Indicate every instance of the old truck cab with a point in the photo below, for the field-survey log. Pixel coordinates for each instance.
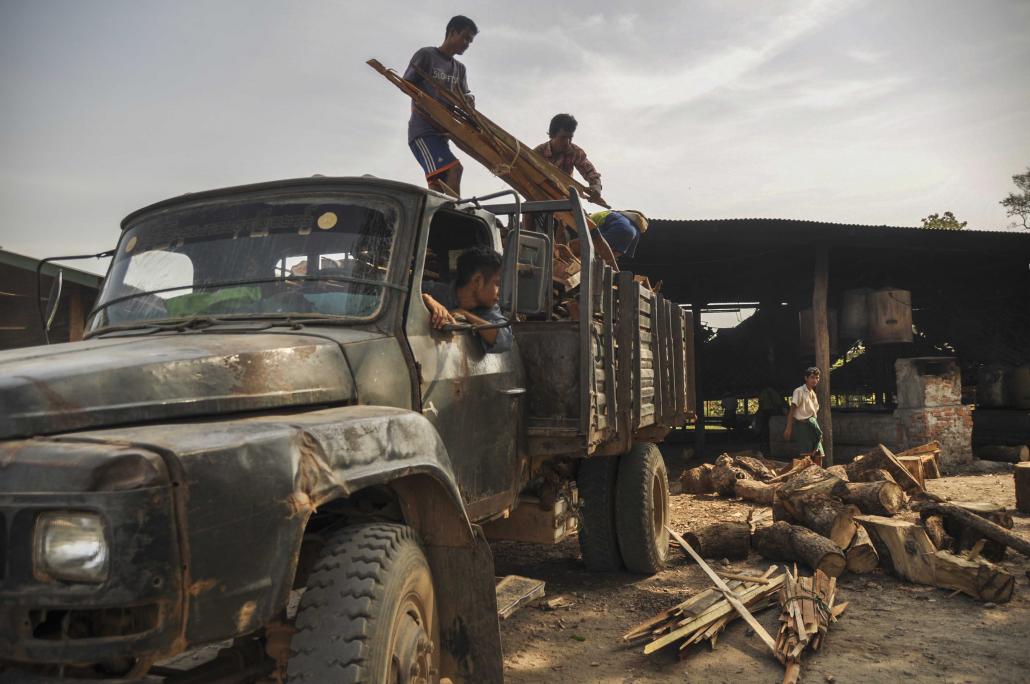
(261, 403)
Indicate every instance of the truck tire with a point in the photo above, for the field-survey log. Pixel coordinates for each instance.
(369, 611)
(597, 537)
(642, 509)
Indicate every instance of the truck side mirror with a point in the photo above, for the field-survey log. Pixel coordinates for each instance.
(534, 266)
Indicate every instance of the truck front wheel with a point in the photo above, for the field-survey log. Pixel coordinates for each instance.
(369, 611)
(642, 509)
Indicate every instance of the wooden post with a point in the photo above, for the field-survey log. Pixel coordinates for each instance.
(822, 347)
(699, 395)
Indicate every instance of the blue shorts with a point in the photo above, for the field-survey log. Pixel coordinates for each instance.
(433, 153)
(620, 234)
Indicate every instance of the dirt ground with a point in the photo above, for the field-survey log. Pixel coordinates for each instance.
(891, 631)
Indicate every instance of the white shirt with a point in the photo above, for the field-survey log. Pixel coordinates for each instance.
(806, 402)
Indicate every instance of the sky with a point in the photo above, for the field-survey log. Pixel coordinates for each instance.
(874, 112)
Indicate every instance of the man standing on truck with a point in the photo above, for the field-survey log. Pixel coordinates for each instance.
(473, 296)
(433, 68)
(560, 151)
(621, 229)
(803, 415)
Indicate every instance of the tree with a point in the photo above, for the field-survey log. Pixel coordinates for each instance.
(1018, 205)
(945, 222)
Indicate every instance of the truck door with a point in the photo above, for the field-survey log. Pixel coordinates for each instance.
(473, 397)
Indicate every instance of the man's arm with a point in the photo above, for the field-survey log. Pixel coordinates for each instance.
(789, 430)
(418, 65)
(587, 170)
(464, 85)
(439, 316)
(496, 340)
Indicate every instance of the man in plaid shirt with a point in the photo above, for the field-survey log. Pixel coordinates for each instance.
(560, 151)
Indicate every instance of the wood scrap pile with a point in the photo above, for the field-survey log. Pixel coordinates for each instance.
(704, 616)
(807, 609)
(846, 518)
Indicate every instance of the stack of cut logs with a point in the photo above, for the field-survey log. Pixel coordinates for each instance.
(846, 518)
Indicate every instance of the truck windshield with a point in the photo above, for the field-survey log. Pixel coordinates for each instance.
(257, 259)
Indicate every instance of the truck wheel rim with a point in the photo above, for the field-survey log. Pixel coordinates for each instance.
(411, 658)
(660, 508)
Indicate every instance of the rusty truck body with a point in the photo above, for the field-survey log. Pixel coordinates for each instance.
(261, 406)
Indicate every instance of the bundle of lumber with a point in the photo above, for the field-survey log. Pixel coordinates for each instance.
(503, 154)
(807, 609)
(704, 616)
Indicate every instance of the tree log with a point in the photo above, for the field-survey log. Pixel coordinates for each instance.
(725, 475)
(973, 521)
(721, 540)
(963, 537)
(753, 490)
(783, 541)
(882, 458)
(1021, 473)
(698, 480)
(905, 548)
(934, 526)
(812, 480)
(861, 555)
(1004, 454)
(827, 516)
(753, 467)
(779, 512)
(877, 498)
(875, 475)
(838, 471)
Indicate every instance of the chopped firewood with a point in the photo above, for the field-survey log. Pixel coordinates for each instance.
(882, 458)
(698, 480)
(704, 616)
(514, 592)
(974, 521)
(753, 490)
(733, 600)
(914, 465)
(876, 498)
(905, 548)
(861, 556)
(721, 540)
(783, 541)
(807, 609)
(931, 454)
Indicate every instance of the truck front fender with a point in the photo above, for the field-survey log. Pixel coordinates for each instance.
(247, 488)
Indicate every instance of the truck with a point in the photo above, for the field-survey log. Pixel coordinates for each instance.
(263, 449)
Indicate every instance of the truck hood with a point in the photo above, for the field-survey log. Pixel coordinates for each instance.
(115, 381)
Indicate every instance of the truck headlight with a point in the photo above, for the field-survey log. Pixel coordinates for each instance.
(71, 546)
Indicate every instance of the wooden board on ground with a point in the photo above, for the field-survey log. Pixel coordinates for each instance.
(514, 592)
